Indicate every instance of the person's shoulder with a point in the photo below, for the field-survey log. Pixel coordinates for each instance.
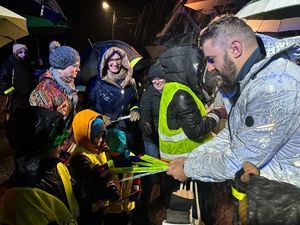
(95, 80)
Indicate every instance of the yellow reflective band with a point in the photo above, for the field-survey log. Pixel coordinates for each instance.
(135, 61)
(134, 107)
(153, 160)
(142, 164)
(238, 195)
(110, 163)
(136, 169)
(9, 90)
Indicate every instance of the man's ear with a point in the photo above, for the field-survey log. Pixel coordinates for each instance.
(236, 48)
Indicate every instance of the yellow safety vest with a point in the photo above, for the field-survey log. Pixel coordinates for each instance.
(30, 206)
(174, 143)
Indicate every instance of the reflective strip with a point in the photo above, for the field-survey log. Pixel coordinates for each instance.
(170, 157)
(135, 61)
(178, 137)
(238, 195)
(110, 163)
(134, 107)
(9, 90)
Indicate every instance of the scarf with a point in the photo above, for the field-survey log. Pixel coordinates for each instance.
(68, 88)
(113, 78)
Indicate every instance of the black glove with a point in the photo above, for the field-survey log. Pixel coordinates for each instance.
(111, 192)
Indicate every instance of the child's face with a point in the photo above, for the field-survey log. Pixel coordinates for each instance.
(98, 139)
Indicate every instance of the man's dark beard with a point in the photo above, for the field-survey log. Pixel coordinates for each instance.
(229, 72)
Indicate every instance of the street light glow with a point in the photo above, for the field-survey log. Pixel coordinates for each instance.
(105, 5)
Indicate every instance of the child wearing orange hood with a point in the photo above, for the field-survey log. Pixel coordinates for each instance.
(89, 169)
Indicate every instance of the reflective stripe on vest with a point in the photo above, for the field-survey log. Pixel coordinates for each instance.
(174, 143)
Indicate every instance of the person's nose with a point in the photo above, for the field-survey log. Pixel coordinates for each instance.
(210, 67)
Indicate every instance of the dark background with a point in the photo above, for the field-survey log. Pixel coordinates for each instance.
(138, 22)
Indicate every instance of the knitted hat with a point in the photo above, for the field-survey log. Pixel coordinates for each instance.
(53, 45)
(34, 130)
(97, 128)
(63, 56)
(17, 47)
(117, 142)
(156, 70)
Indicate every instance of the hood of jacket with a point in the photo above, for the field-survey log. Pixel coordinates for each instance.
(105, 54)
(82, 128)
(288, 48)
(184, 64)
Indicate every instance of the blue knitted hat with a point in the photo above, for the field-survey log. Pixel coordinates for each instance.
(63, 56)
(97, 127)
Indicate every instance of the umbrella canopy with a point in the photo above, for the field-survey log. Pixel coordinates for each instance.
(12, 26)
(37, 24)
(274, 26)
(267, 7)
(272, 15)
(52, 6)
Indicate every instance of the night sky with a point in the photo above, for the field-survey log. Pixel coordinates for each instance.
(138, 21)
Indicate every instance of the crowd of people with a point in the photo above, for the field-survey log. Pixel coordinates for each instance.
(66, 154)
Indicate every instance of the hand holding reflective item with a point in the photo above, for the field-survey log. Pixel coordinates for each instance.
(134, 116)
(176, 169)
(106, 120)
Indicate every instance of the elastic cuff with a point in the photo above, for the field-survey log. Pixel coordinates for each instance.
(214, 116)
(134, 108)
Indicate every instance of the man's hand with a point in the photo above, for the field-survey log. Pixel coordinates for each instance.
(134, 116)
(249, 169)
(176, 169)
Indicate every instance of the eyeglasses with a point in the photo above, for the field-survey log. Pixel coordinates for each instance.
(117, 60)
(210, 59)
(22, 52)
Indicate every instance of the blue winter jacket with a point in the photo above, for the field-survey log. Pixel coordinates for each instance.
(110, 100)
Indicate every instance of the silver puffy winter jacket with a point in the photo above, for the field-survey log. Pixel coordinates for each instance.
(264, 124)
